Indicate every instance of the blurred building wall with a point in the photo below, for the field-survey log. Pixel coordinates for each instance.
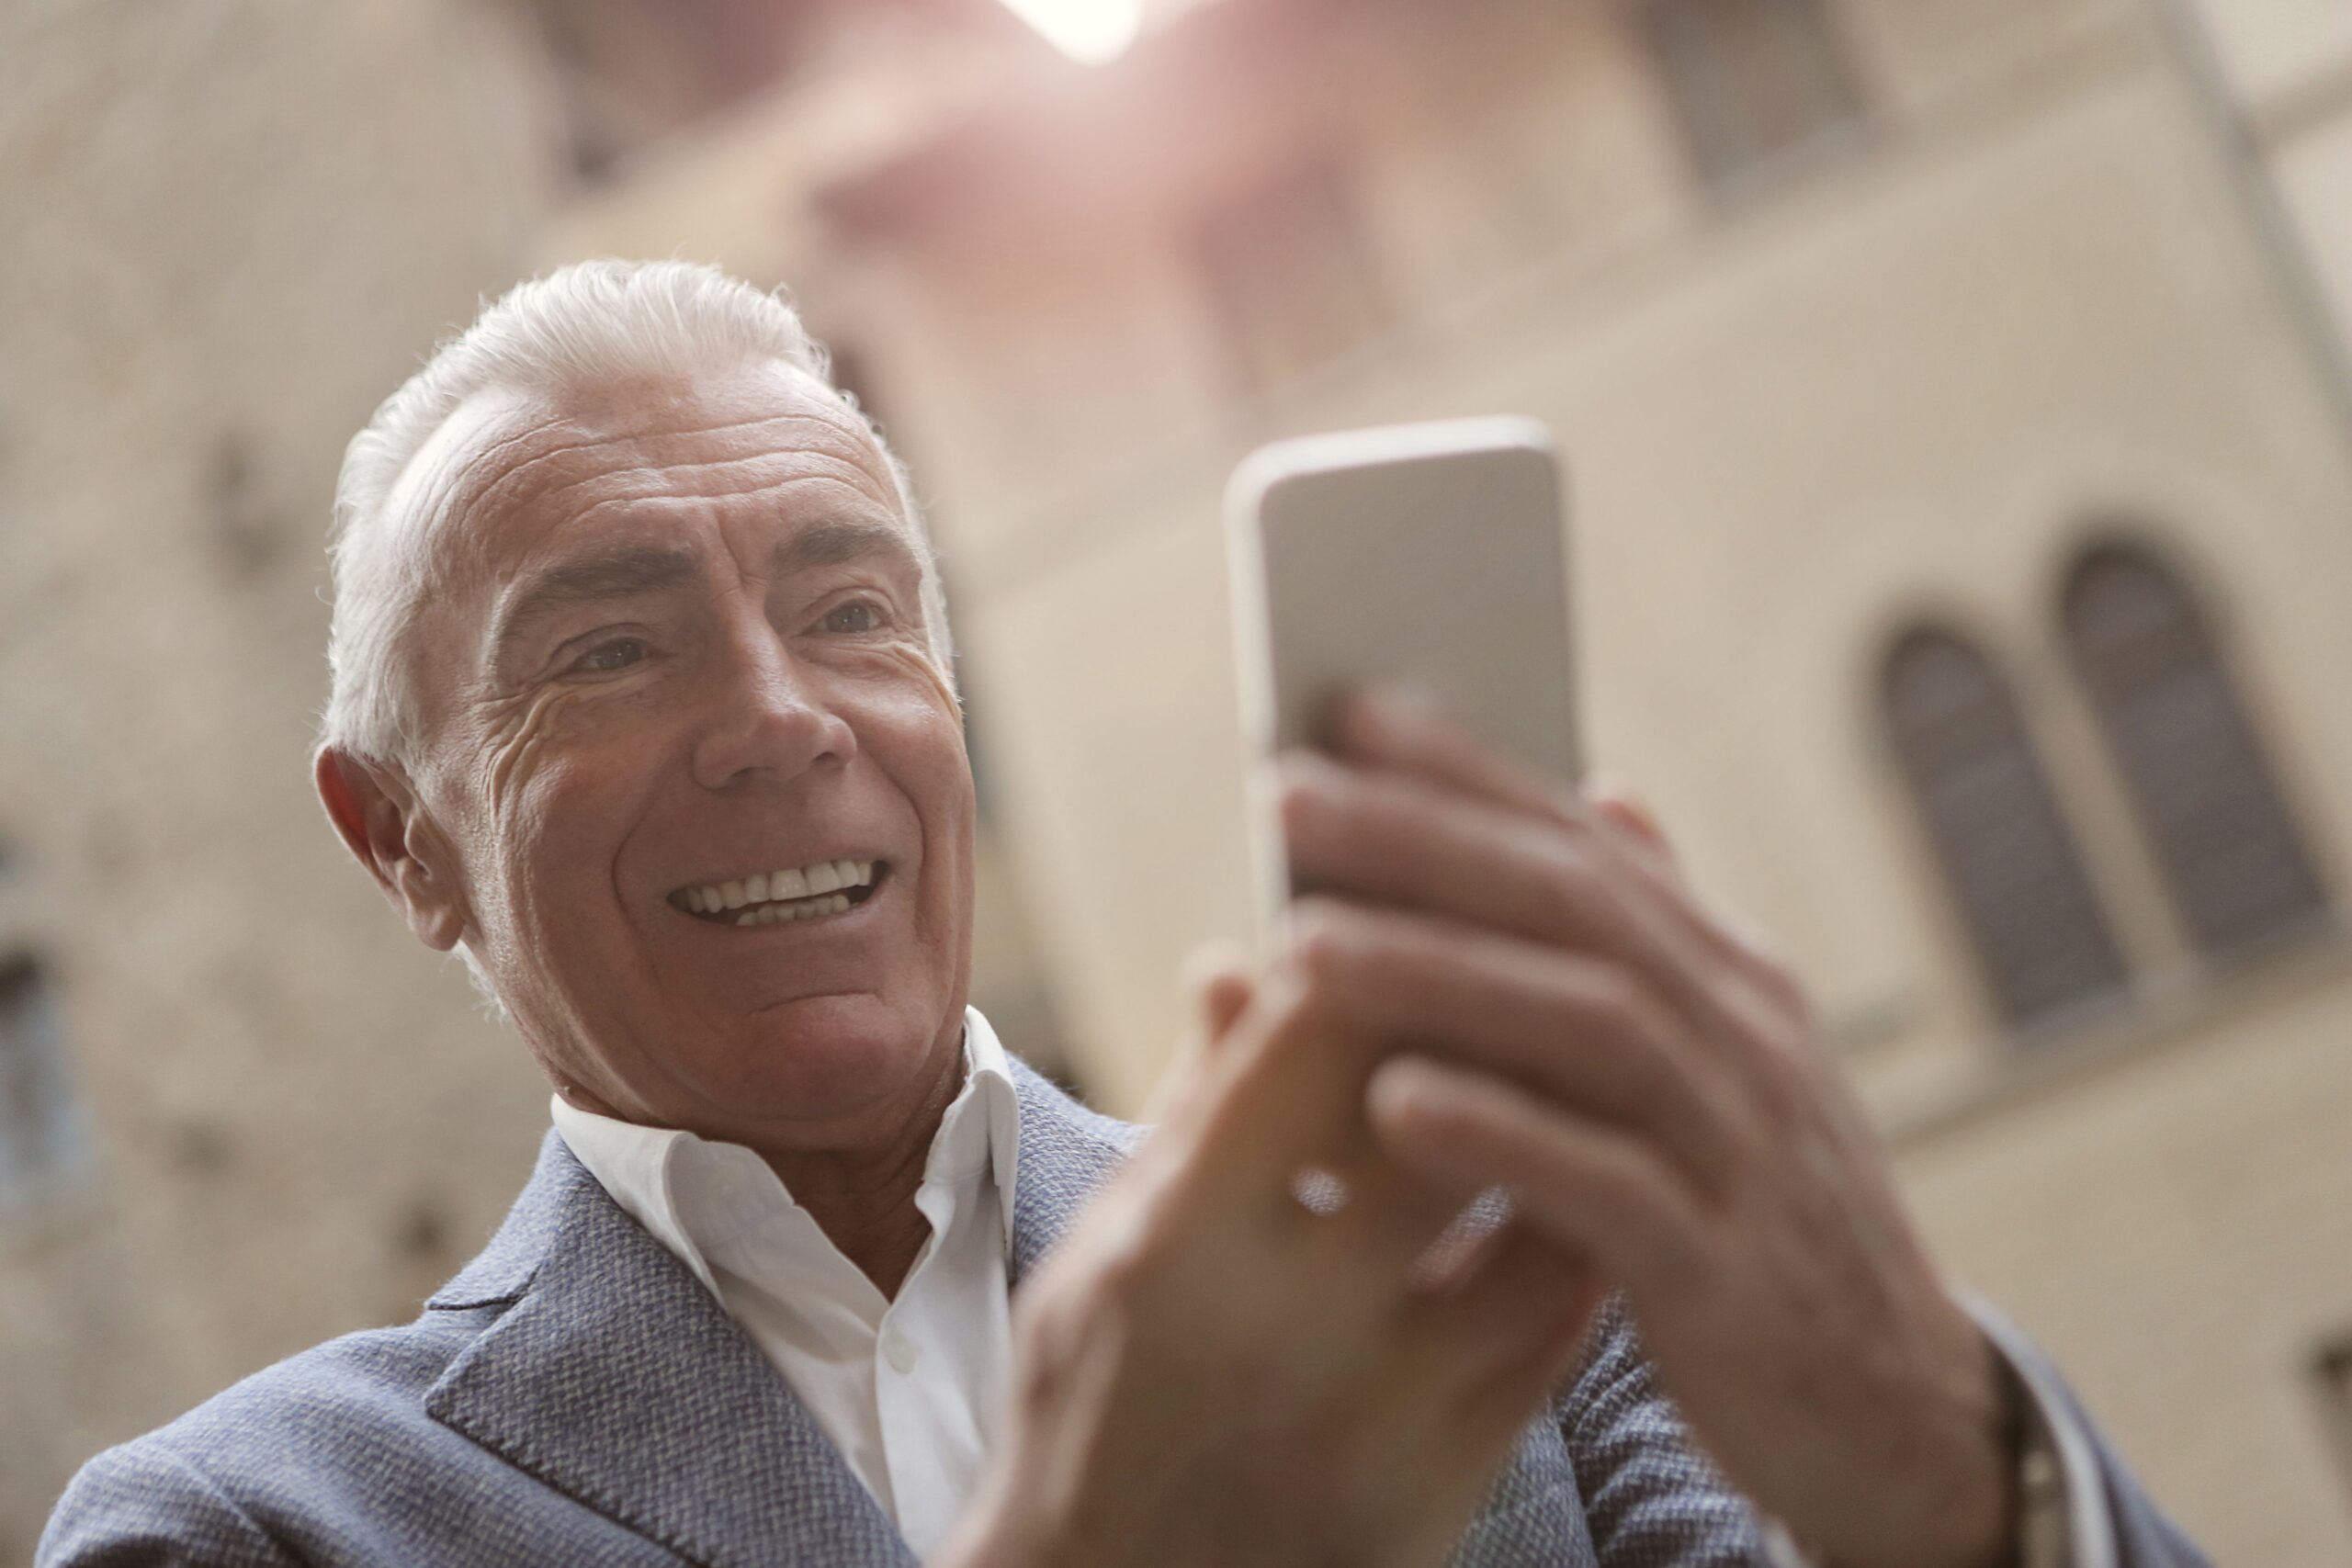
(1966, 299)
(240, 1109)
(2281, 73)
(1873, 319)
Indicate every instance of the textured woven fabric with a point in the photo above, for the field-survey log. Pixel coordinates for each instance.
(574, 1396)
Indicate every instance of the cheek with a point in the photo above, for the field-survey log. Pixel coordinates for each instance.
(558, 796)
(935, 721)
(920, 740)
(517, 735)
(924, 724)
(904, 673)
(925, 671)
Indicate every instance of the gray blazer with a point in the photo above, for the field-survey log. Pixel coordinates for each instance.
(576, 1396)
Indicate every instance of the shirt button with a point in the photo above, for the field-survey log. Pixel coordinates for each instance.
(901, 1352)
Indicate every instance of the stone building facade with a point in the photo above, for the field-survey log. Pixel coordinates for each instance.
(1962, 473)
(1961, 465)
(239, 1113)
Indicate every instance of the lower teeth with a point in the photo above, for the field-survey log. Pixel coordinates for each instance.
(797, 910)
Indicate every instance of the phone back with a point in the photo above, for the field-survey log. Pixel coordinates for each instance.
(1432, 556)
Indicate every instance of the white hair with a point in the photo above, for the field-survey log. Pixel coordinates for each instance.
(582, 326)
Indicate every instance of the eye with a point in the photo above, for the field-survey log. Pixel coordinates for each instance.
(605, 657)
(856, 616)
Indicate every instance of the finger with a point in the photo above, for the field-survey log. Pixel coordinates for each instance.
(1510, 1299)
(1398, 839)
(1387, 1219)
(1498, 1344)
(1583, 1186)
(1394, 839)
(1392, 730)
(1535, 1305)
(1386, 727)
(1297, 1099)
(1508, 1399)
(1468, 1243)
(1586, 1032)
(1216, 977)
(1631, 817)
(1282, 1093)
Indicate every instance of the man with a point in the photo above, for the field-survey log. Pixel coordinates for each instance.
(642, 699)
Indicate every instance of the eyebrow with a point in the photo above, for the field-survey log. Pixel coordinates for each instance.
(834, 542)
(621, 574)
(652, 569)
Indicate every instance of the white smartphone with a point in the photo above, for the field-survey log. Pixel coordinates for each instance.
(1432, 556)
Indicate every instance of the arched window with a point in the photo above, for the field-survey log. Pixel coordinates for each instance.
(2009, 858)
(2190, 763)
(1755, 83)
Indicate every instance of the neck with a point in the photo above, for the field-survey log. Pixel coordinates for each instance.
(864, 1202)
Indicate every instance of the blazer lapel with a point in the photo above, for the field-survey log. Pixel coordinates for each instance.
(1067, 1153)
(615, 1378)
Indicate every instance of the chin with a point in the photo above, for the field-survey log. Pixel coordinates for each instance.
(832, 1056)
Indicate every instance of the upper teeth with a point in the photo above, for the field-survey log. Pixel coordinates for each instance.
(806, 882)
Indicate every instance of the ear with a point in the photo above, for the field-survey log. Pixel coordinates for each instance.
(378, 814)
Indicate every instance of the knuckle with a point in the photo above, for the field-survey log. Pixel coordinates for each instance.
(1785, 1076)
(1566, 876)
(1620, 1001)
(1769, 965)
(1390, 811)
(1580, 817)
(1312, 805)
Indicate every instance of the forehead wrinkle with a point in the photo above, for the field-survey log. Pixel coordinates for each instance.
(453, 505)
(836, 465)
(625, 502)
(490, 491)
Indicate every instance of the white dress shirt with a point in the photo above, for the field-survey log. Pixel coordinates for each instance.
(907, 1389)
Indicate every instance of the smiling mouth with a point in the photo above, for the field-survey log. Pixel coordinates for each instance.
(776, 897)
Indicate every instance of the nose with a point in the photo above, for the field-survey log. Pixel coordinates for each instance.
(770, 718)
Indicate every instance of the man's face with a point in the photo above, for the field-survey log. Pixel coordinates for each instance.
(677, 648)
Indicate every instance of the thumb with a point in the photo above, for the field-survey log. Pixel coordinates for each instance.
(1215, 978)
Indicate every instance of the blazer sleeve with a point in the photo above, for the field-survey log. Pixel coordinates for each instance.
(1651, 1499)
(142, 1506)
(2111, 1522)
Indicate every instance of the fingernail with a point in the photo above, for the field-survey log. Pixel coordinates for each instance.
(1305, 773)
(1359, 719)
(1212, 962)
(1597, 783)
(1404, 702)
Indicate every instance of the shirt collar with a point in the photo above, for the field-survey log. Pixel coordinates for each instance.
(696, 1193)
(987, 1086)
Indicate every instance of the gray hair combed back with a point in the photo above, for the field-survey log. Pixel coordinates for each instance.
(580, 326)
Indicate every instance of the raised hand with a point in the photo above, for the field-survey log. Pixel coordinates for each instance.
(1212, 1372)
(1645, 1080)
